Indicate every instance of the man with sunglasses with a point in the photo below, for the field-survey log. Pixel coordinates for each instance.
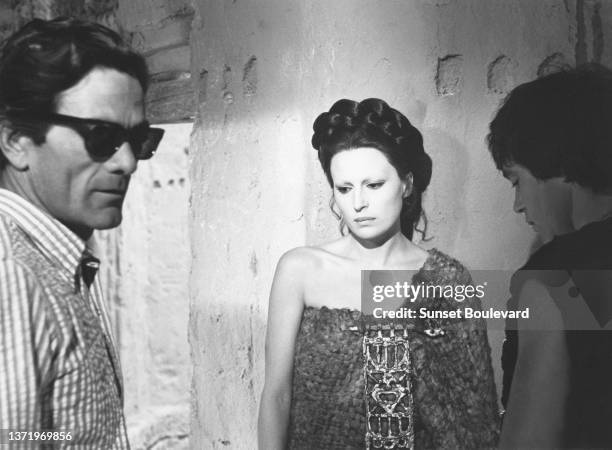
(72, 129)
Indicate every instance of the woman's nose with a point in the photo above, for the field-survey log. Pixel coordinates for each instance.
(359, 200)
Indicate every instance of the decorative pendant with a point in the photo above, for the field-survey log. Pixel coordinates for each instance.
(388, 388)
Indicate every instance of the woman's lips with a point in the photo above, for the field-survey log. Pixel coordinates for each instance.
(363, 219)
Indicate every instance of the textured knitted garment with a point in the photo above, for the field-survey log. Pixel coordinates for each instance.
(452, 378)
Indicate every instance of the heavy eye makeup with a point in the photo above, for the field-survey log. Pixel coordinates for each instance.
(345, 188)
(375, 184)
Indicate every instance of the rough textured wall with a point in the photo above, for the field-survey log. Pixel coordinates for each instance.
(265, 70)
(160, 30)
(152, 247)
(248, 169)
(151, 302)
(145, 271)
(15, 13)
(147, 278)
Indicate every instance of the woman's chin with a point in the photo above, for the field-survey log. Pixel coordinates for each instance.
(372, 236)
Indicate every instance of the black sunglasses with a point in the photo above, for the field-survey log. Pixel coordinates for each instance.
(102, 138)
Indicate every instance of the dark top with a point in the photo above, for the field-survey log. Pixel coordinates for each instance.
(453, 386)
(584, 258)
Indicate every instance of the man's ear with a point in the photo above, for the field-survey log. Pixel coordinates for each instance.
(408, 185)
(15, 147)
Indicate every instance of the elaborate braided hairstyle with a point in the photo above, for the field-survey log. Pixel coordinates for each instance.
(373, 123)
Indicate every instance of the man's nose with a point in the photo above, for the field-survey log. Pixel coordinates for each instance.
(518, 202)
(123, 160)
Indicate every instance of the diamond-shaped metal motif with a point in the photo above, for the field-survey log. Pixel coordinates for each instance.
(389, 401)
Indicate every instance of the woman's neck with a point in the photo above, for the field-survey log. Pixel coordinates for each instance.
(381, 254)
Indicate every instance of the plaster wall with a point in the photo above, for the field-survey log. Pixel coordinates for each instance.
(149, 255)
(264, 70)
(145, 272)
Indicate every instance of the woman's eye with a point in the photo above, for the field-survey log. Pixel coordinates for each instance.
(342, 189)
(376, 185)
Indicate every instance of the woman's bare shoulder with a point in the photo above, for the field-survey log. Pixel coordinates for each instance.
(306, 258)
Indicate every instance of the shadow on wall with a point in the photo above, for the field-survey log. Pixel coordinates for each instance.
(445, 198)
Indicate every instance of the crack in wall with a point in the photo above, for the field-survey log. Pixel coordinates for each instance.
(580, 52)
(552, 63)
(597, 30)
(249, 78)
(166, 439)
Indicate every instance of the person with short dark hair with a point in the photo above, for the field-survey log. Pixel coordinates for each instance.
(327, 384)
(552, 140)
(72, 129)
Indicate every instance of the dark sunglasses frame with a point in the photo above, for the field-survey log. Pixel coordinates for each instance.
(143, 138)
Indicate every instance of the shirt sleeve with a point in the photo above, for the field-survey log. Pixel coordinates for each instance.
(25, 343)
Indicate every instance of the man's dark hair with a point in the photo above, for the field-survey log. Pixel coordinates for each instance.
(559, 125)
(44, 58)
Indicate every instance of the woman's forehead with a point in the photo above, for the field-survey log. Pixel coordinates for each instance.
(361, 157)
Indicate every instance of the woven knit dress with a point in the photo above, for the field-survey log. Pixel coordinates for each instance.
(448, 388)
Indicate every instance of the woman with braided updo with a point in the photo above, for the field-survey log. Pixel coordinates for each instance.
(326, 386)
